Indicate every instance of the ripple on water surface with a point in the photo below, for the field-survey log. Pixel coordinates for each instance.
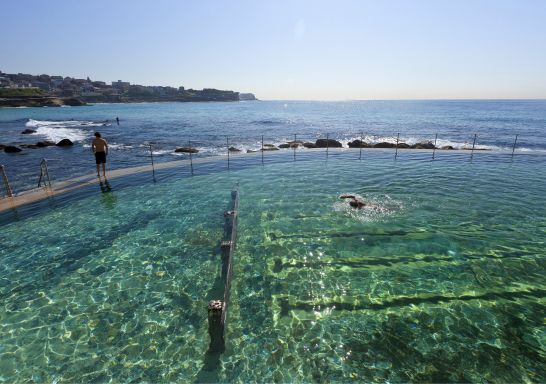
(440, 278)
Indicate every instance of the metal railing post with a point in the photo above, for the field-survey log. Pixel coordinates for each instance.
(9, 191)
(262, 149)
(152, 159)
(327, 145)
(294, 146)
(227, 147)
(434, 149)
(360, 153)
(514, 146)
(473, 145)
(396, 151)
(191, 160)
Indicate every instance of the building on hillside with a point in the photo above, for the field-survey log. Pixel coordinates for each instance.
(121, 86)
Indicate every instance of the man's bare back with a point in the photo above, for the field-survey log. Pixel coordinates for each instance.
(99, 145)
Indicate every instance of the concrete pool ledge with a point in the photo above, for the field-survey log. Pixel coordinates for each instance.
(61, 187)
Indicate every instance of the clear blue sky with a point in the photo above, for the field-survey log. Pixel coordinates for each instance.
(320, 50)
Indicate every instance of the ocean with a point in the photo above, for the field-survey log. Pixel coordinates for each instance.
(211, 127)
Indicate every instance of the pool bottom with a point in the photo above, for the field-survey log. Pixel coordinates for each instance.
(444, 284)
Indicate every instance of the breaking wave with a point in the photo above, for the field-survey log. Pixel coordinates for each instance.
(73, 130)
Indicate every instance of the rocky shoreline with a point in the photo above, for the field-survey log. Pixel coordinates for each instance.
(319, 143)
(40, 101)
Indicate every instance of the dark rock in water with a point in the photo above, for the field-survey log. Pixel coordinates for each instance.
(32, 146)
(403, 145)
(28, 131)
(448, 147)
(2, 146)
(295, 143)
(250, 151)
(233, 149)
(186, 150)
(423, 145)
(309, 145)
(65, 143)
(323, 143)
(269, 147)
(284, 146)
(12, 149)
(358, 144)
(45, 143)
(384, 144)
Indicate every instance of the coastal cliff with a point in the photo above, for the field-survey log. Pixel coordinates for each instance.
(24, 90)
(40, 101)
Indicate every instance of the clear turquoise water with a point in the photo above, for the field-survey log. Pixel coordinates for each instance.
(443, 280)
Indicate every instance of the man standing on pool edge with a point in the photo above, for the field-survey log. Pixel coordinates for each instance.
(99, 146)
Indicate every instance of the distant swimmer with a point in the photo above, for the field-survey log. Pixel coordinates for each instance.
(117, 120)
(99, 146)
(355, 202)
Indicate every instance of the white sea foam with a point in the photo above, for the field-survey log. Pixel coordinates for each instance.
(73, 130)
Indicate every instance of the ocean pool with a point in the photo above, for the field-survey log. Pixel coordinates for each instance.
(442, 280)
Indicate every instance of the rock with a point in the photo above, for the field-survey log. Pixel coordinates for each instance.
(309, 145)
(358, 144)
(284, 146)
(12, 149)
(423, 145)
(403, 145)
(65, 143)
(45, 143)
(28, 131)
(448, 147)
(32, 146)
(295, 143)
(186, 150)
(250, 151)
(233, 149)
(384, 144)
(323, 143)
(269, 147)
(2, 146)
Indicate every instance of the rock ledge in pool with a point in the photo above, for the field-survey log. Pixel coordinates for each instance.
(28, 131)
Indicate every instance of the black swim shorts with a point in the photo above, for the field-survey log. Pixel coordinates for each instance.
(100, 157)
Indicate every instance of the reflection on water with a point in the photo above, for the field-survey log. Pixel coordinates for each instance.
(442, 280)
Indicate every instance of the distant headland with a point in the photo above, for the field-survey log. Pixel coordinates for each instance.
(24, 90)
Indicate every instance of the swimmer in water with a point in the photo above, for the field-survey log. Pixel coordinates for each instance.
(355, 202)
